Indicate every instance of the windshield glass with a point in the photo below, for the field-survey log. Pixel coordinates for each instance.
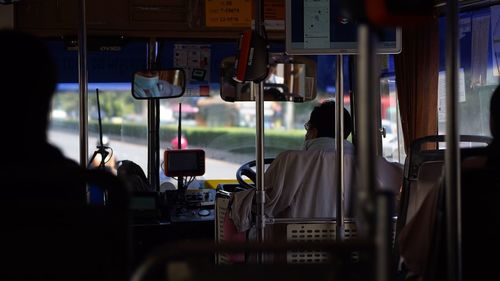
(224, 130)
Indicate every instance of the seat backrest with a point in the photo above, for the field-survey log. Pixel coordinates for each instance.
(423, 170)
(421, 209)
(428, 175)
(480, 188)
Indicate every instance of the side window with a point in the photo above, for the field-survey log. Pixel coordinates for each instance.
(124, 122)
(392, 136)
(478, 71)
(124, 119)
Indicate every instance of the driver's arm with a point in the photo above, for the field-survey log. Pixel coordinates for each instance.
(242, 201)
(277, 177)
(277, 199)
(240, 209)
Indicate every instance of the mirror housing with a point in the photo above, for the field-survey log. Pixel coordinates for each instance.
(159, 84)
(288, 79)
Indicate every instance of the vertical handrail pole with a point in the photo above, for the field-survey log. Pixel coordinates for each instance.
(339, 139)
(260, 161)
(452, 156)
(374, 206)
(153, 124)
(83, 83)
(259, 111)
(366, 148)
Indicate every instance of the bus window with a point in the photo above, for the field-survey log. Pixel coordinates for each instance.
(392, 136)
(124, 121)
(478, 71)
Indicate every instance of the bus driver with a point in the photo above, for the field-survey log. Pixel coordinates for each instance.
(299, 183)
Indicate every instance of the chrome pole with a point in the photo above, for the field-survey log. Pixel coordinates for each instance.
(366, 147)
(259, 111)
(260, 193)
(339, 139)
(83, 83)
(153, 125)
(374, 206)
(452, 153)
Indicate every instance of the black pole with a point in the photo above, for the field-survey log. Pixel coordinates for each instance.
(452, 152)
(179, 128)
(180, 180)
(99, 116)
(101, 149)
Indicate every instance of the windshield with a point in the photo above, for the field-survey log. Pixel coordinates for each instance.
(224, 130)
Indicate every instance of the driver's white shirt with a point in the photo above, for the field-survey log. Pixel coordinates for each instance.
(300, 184)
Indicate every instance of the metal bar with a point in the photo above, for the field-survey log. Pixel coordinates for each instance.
(398, 128)
(452, 156)
(339, 141)
(353, 103)
(374, 210)
(180, 180)
(260, 193)
(392, 220)
(153, 125)
(306, 220)
(83, 83)
(366, 147)
(259, 146)
(384, 229)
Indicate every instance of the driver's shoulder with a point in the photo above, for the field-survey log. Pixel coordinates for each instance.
(307, 152)
(288, 154)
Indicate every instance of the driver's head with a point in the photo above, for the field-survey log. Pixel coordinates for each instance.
(322, 122)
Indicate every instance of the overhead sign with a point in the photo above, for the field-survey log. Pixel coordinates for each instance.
(274, 14)
(240, 13)
(228, 13)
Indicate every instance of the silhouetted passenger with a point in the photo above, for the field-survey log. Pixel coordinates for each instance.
(49, 232)
(28, 79)
(480, 193)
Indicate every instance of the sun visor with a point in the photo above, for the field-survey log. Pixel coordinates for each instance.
(252, 59)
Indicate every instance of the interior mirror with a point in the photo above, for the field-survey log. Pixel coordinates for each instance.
(159, 84)
(288, 79)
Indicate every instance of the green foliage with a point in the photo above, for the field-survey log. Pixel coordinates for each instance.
(66, 101)
(113, 104)
(232, 139)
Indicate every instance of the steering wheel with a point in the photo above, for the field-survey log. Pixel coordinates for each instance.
(246, 170)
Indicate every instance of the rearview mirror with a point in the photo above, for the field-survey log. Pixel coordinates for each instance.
(289, 79)
(159, 84)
